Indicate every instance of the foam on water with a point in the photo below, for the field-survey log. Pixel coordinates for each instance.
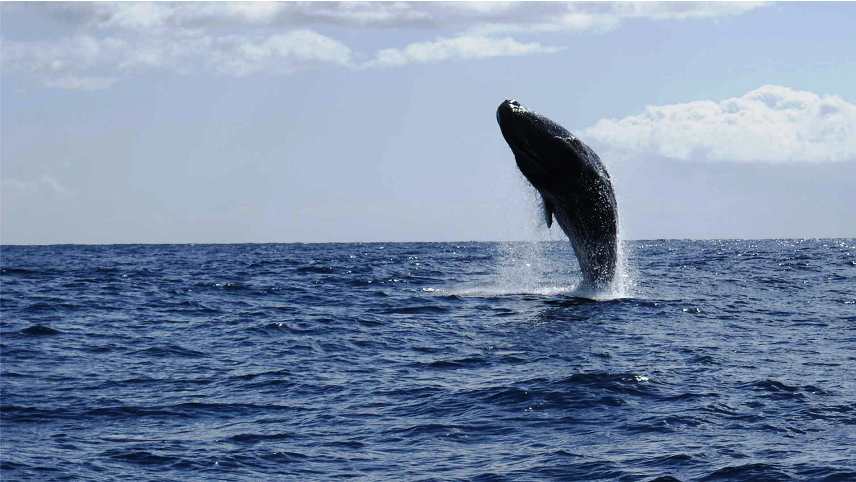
(496, 291)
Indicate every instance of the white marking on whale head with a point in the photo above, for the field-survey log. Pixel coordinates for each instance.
(516, 107)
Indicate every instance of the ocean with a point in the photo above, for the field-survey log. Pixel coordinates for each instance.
(712, 360)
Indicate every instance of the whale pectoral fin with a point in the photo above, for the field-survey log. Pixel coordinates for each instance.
(548, 212)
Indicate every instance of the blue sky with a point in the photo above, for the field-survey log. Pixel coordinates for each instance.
(376, 122)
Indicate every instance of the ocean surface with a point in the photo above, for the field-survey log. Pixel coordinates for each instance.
(713, 360)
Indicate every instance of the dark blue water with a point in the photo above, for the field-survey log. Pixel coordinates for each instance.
(722, 360)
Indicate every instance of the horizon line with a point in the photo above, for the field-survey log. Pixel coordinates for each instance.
(227, 243)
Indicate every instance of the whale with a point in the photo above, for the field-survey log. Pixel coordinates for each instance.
(574, 185)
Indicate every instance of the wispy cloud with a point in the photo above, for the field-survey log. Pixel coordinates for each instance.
(69, 64)
(462, 47)
(43, 185)
(769, 124)
(240, 56)
(680, 10)
(600, 17)
(89, 62)
(537, 15)
(110, 41)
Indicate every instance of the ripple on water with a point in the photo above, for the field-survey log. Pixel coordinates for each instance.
(724, 360)
(39, 330)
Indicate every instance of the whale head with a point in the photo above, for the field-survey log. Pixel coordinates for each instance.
(546, 153)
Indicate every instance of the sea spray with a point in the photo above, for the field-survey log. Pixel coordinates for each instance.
(624, 283)
(549, 267)
(545, 264)
(524, 267)
(527, 267)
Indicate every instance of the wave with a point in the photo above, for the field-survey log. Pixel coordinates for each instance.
(445, 361)
(39, 330)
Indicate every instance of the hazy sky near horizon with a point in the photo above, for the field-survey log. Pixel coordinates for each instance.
(137, 122)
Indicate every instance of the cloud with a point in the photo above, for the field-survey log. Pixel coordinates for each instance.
(463, 47)
(682, 10)
(108, 41)
(601, 17)
(147, 16)
(769, 124)
(539, 16)
(89, 63)
(44, 185)
(241, 56)
(64, 64)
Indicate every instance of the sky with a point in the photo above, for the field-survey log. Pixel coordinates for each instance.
(329, 122)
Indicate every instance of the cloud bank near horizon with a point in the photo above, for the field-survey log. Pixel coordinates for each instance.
(106, 42)
(772, 124)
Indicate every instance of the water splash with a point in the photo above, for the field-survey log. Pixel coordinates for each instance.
(549, 268)
(533, 268)
(624, 284)
(546, 265)
(546, 268)
(527, 268)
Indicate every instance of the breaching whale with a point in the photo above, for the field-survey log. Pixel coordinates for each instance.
(574, 186)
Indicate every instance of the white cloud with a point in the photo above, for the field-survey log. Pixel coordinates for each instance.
(360, 14)
(155, 15)
(463, 47)
(769, 124)
(241, 56)
(67, 64)
(469, 15)
(567, 21)
(131, 15)
(682, 10)
(90, 63)
(112, 40)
